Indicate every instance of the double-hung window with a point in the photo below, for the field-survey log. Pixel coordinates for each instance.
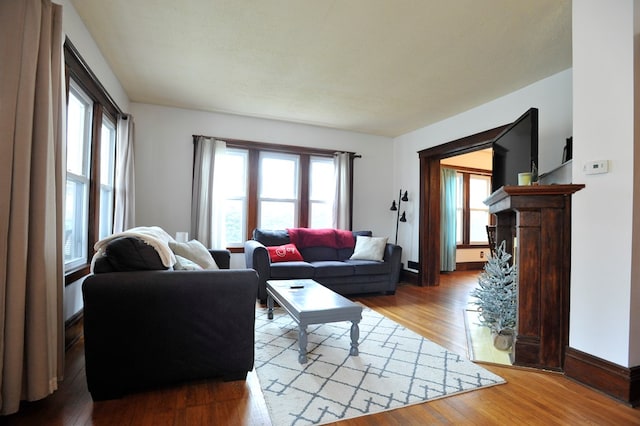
(79, 124)
(472, 214)
(90, 161)
(278, 183)
(322, 188)
(107, 176)
(275, 187)
(235, 172)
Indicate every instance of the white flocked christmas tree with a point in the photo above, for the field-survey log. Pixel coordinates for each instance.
(497, 293)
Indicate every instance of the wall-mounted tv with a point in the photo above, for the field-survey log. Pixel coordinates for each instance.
(515, 149)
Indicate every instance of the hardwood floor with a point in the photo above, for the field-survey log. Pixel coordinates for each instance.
(529, 397)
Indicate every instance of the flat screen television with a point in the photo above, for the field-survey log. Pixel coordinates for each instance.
(515, 150)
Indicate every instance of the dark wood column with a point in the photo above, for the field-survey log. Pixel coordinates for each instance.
(535, 223)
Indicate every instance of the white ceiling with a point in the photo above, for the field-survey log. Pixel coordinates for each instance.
(383, 67)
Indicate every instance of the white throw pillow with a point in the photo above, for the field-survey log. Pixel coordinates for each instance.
(196, 252)
(369, 248)
(184, 264)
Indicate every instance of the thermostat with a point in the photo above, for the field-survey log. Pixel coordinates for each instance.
(596, 167)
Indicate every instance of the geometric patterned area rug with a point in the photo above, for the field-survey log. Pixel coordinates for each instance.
(395, 368)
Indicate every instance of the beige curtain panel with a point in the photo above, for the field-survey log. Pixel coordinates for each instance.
(124, 208)
(31, 188)
(342, 162)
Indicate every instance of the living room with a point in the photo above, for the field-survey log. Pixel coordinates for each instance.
(592, 99)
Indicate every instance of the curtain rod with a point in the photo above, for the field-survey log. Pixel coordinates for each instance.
(275, 147)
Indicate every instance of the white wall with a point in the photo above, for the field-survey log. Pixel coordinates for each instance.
(77, 32)
(602, 230)
(164, 160)
(75, 29)
(552, 96)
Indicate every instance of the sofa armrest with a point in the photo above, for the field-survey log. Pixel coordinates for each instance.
(393, 255)
(222, 258)
(257, 258)
(150, 328)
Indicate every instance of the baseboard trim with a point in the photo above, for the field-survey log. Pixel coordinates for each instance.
(469, 266)
(73, 329)
(619, 382)
(409, 277)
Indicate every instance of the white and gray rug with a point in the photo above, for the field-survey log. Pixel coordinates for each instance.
(396, 367)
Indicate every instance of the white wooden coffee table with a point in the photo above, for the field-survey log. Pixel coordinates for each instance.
(311, 303)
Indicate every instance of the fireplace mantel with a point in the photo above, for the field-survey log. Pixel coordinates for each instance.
(535, 223)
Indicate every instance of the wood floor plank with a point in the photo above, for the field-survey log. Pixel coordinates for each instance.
(530, 397)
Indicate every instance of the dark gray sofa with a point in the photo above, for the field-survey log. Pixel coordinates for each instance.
(329, 266)
(150, 328)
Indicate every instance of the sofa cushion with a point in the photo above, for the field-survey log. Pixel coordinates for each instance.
(131, 254)
(184, 264)
(284, 253)
(289, 270)
(270, 237)
(369, 267)
(333, 269)
(196, 252)
(314, 254)
(369, 248)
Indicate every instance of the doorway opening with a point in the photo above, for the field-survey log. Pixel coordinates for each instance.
(429, 211)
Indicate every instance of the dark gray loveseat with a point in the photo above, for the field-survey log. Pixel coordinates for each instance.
(148, 328)
(329, 266)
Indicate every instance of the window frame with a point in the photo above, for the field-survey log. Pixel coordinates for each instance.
(76, 69)
(80, 177)
(466, 210)
(305, 155)
(295, 200)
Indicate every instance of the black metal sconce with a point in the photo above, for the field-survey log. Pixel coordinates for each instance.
(394, 207)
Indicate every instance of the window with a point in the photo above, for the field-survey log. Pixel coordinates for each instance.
(472, 214)
(235, 172)
(79, 119)
(321, 192)
(275, 187)
(91, 151)
(278, 182)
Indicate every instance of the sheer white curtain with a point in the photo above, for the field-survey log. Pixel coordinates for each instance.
(31, 200)
(207, 199)
(342, 162)
(124, 206)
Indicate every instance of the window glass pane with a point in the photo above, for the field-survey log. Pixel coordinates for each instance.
(478, 226)
(479, 190)
(107, 173)
(75, 225)
(459, 223)
(106, 212)
(78, 130)
(278, 176)
(320, 215)
(234, 220)
(107, 152)
(235, 172)
(277, 215)
(322, 180)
